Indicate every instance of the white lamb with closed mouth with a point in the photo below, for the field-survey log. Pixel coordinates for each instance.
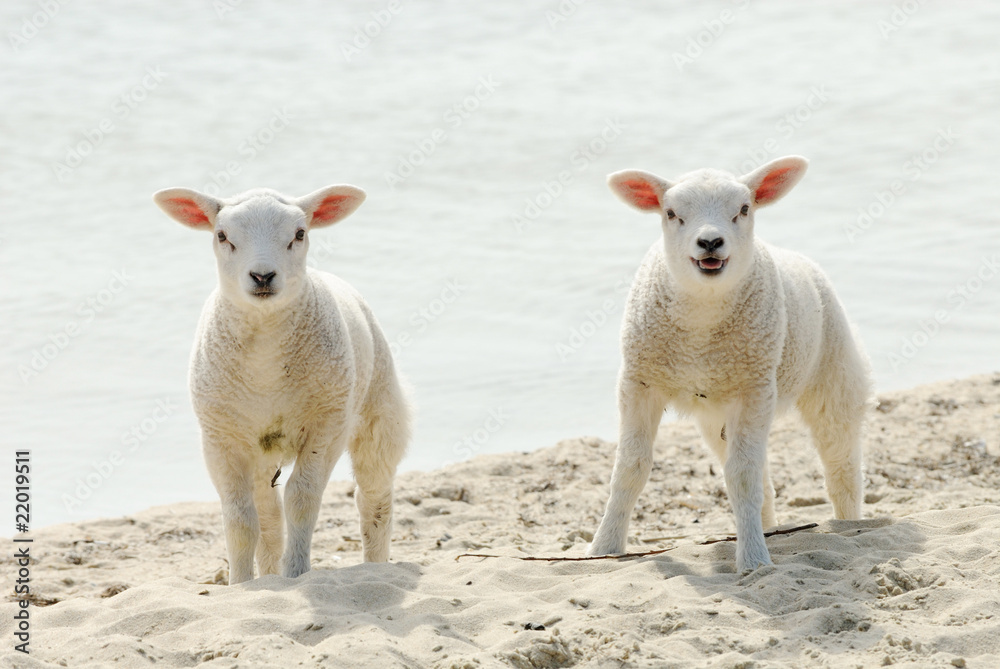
(289, 365)
(727, 329)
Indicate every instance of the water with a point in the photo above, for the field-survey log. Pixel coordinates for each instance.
(500, 105)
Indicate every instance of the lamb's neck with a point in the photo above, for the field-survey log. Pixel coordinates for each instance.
(285, 316)
(706, 307)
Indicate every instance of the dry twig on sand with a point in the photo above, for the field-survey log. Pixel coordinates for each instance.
(624, 556)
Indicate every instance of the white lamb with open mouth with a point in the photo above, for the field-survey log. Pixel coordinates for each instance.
(289, 365)
(727, 329)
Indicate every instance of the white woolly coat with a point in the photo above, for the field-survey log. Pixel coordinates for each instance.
(769, 331)
(267, 382)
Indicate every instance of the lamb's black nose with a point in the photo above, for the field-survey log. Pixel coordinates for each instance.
(711, 244)
(262, 280)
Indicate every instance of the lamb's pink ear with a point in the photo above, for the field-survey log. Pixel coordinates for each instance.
(639, 189)
(769, 183)
(331, 204)
(193, 209)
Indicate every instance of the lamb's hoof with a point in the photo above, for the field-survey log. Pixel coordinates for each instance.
(749, 565)
(294, 571)
(595, 550)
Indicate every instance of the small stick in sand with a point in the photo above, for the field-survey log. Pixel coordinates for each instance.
(567, 559)
(773, 533)
(623, 556)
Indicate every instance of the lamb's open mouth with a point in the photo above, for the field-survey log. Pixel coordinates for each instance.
(710, 264)
(263, 293)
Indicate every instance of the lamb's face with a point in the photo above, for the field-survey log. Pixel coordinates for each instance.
(260, 246)
(708, 230)
(708, 216)
(260, 237)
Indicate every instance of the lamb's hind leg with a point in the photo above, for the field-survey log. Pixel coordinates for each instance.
(835, 408)
(376, 451)
(640, 410)
(712, 431)
(837, 424)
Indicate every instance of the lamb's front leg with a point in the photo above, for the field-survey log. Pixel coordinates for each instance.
(745, 469)
(712, 428)
(269, 514)
(303, 496)
(640, 410)
(233, 479)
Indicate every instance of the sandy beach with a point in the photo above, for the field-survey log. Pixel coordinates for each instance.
(913, 584)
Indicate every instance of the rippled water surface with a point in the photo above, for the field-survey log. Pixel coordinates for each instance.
(489, 246)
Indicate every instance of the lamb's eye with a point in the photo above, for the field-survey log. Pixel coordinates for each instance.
(671, 215)
(745, 210)
(224, 240)
(299, 236)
